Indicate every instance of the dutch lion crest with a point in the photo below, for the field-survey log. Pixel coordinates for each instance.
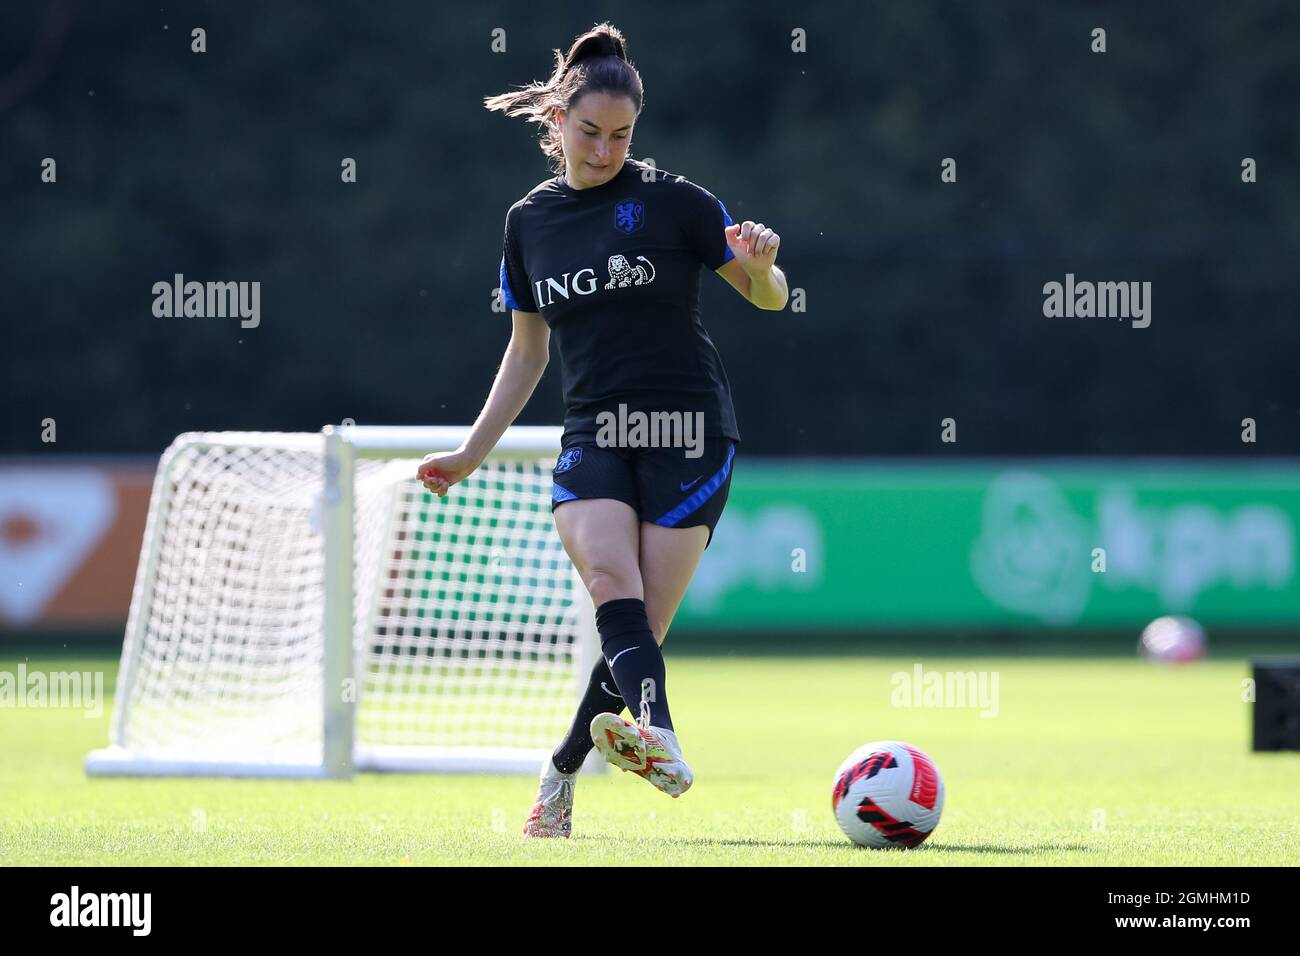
(568, 459)
(629, 215)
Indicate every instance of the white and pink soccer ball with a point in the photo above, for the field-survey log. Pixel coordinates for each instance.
(887, 794)
(1176, 640)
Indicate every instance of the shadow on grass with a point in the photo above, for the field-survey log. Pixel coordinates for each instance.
(846, 847)
(757, 844)
(1013, 850)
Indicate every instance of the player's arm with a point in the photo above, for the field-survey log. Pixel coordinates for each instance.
(773, 288)
(752, 271)
(521, 369)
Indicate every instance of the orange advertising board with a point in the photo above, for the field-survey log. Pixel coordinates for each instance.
(70, 537)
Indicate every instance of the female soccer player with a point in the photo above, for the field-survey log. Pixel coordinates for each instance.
(607, 255)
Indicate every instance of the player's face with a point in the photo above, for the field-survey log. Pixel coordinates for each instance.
(596, 130)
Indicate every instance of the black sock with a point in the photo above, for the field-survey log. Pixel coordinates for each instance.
(574, 748)
(633, 656)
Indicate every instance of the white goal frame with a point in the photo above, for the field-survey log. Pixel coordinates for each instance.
(341, 447)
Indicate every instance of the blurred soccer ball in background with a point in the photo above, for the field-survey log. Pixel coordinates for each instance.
(1172, 640)
(887, 794)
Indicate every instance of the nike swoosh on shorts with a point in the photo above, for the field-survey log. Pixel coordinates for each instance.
(686, 484)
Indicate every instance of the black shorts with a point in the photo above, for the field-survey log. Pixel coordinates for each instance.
(662, 485)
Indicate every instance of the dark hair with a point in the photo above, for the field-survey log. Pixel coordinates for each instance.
(596, 63)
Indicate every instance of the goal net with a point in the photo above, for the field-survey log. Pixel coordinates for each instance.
(303, 607)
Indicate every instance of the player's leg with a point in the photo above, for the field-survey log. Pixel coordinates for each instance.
(602, 538)
(678, 517)
(601, 535)
(681, 501)
(669, 557)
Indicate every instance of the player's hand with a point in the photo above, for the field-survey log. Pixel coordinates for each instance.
(438, 472)
(754, 245)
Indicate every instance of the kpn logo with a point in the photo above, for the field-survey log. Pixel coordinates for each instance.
(1034, 553)
(75, 909)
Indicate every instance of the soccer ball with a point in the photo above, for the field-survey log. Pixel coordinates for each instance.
(887, 794)
(1172, 640)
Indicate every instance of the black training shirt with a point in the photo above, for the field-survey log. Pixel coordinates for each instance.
(614, 271)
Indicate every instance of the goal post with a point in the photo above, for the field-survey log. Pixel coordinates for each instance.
(303, 607)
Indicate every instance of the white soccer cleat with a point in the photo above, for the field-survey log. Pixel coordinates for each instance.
(552, 813)
(649, 752)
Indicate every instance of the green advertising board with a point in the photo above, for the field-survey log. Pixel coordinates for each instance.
(820, 545)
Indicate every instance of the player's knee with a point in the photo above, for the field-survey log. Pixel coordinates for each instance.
(608, 583)
(658, 626)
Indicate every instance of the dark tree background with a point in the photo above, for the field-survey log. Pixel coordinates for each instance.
(923, 299)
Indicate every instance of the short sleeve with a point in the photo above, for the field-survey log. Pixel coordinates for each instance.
(706, 219)
(516, 290)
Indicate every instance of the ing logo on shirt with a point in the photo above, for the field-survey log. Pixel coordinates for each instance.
(622, 274)
(629, 215)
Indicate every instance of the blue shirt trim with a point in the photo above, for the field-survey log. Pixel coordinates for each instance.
(726, 221)
(505, 287)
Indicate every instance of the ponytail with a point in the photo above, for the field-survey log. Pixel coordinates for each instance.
(596, 63)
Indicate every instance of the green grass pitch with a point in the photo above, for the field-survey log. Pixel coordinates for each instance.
(1088, 761)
